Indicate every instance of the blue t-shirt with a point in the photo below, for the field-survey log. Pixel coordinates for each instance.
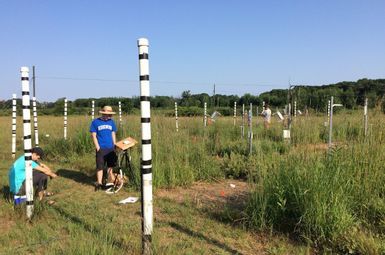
(103, 130)
(16, 174)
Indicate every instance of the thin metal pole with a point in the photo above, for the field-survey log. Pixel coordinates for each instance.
(366, 117)
(250, 129)
(176, 117)
(35, 121)
(33, 81)
(65, 119)
(331, 123)
(27, 140)
(146, 162)
(243, 120)
(14, 125)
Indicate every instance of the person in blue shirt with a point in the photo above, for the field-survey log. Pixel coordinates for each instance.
(40, 174)
(103, 132)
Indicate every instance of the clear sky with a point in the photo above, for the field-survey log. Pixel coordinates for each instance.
(84, 48)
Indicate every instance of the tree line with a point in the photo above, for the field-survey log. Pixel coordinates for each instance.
(351, 94)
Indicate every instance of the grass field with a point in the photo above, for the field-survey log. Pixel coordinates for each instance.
(289, 198)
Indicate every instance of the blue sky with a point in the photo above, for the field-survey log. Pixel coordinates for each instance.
(87, 48)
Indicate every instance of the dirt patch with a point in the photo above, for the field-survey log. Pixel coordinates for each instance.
(229, 192)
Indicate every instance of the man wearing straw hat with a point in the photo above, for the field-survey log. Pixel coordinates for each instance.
(103, 132)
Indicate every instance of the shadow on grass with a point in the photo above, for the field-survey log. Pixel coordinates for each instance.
(76, 176)
(91, 229)
(6, 193)
(209, 240)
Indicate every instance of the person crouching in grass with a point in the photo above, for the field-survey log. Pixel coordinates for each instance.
(40, 174)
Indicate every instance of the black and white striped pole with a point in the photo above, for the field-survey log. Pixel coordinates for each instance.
(205, 115)
(120, 114)
(176, 117)
(35, 121)
(366, 117)
(27, 139)
(146, 162)
(13, 125)
(93, 109)
(65, 118)
(235, 112)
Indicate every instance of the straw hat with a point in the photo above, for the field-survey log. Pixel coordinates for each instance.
(107, 110)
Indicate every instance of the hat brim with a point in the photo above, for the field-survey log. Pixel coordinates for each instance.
(109, 113)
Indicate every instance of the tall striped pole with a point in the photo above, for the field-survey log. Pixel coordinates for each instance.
(235, 111)
(65, 119)
(35, 121)
(205, 115)
(146, 162)
(328, 111)
(366, 117)
(93, 109)
(27, 139)
(13, 125)
(176, 117)
(295, 109)
(120, 114)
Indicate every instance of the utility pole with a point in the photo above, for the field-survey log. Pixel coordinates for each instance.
(33, 81)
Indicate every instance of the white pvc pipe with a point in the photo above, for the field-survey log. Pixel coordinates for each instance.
(27, 139)
(243, 120)
(35, 121)
(146, 162)
(366, 117)
(65, 119)
(13, 125)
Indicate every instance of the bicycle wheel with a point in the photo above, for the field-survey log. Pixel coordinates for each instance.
(117, 184)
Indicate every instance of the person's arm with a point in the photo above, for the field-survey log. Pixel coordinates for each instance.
(95, 140)
(46, 170)
(114, 137)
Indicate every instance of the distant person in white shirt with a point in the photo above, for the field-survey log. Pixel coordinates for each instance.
(266, 113)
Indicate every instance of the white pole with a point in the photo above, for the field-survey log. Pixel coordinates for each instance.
(295, 109)
(205, 115)
(65, 119)
(235, 112)
(27, 139)
(93, 110)
(35, 121)
(13, 125)
(146, 162)
(120, 114)
(366, 117)
(176, 117)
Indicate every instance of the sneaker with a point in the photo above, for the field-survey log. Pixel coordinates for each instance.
(98, 186)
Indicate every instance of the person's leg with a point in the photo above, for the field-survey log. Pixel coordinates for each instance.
(111, 159)
(40, 182)
(99, 167)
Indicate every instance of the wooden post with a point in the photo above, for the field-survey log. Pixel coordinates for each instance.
(146, 162)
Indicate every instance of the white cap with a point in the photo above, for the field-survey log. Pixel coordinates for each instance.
(24, 69)
(142, 42)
